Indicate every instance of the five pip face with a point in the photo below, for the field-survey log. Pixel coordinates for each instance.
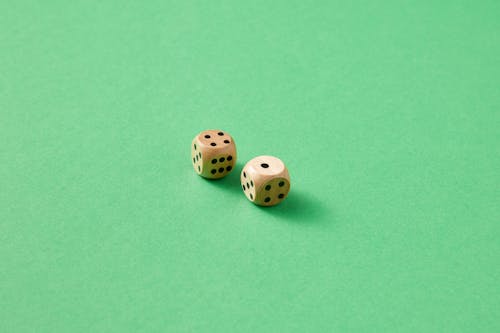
(213, 154)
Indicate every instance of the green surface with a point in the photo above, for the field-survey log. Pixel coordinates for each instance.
(387, 115)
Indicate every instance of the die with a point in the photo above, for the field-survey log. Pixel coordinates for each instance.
(265, 180)
(213, 153)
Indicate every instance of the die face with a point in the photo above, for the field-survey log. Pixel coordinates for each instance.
(218, 165)
(215, 139)
(267, 166)
(213, 154)
(272, 192)
(197, 157)
(265, 180)
(248, 183)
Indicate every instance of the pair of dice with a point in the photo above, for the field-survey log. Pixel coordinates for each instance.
(264, 179)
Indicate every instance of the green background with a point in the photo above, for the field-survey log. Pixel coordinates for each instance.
(387, 115)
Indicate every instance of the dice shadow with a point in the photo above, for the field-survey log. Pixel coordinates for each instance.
(231, 182)
(300, 207)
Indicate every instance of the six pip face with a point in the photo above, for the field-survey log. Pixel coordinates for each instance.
(213, 154)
